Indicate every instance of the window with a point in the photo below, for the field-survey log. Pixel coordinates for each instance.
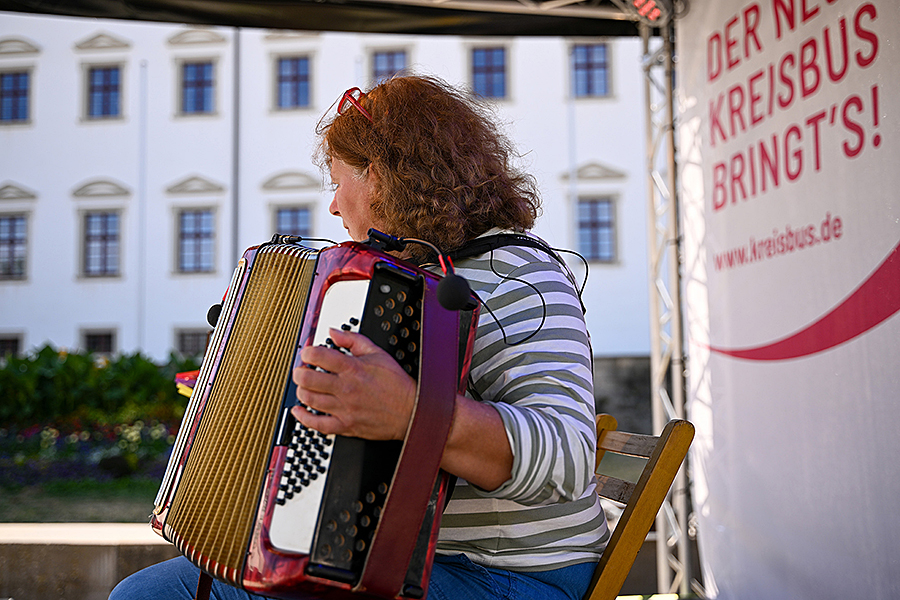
(597, 229)
(10, 345)
(14, 97)
(293, 82)
(99, 342)
(103, 92)
(12, 247)
(197, 88)
(590, 70)
(195, 241)
(489, 72)
(192, 342)
(386, 64)
(101, 244)
(293, 221)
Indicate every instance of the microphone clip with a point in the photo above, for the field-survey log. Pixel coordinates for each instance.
(384, 242)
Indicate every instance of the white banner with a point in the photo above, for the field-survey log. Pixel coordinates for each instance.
(789, 156)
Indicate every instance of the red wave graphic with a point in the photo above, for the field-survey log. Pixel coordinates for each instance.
(875, 300)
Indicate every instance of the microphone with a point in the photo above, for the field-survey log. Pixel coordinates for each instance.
(454, 293)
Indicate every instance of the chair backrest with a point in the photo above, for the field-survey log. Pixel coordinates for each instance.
(642, 499)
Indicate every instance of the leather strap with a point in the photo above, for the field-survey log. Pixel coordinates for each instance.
(204, 584)
(419, 463)
(487, 243)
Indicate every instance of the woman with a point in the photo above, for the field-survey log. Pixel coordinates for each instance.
(417, 158)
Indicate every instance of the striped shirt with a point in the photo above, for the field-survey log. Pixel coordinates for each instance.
(536, 371)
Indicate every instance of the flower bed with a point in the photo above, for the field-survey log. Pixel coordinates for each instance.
(66, 416)
(38, 453)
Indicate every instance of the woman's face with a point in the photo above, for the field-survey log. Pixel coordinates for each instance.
(352, 199)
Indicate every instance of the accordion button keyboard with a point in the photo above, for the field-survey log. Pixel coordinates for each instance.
(337, 530)
(306, 458)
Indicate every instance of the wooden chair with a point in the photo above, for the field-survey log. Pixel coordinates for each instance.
(642, 499)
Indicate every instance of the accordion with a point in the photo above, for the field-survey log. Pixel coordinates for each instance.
(257, 500)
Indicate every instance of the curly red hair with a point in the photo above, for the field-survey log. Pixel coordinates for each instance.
(444, 171)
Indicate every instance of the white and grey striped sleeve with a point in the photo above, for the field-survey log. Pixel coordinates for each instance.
(536, 370)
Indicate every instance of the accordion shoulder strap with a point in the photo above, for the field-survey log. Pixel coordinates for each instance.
(419, 463)
(204, 585)
(488, 243)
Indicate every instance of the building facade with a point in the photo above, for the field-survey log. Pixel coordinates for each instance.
(138, 161)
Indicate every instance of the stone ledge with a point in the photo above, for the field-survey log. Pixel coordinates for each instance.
(74, 561)
(94, 534)
(84, 561)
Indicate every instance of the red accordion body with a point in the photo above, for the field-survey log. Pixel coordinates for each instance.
(255, 499)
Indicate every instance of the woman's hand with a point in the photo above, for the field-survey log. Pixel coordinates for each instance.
(363, 394)
(367, 394)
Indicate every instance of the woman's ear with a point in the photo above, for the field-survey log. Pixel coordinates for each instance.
(373, 183)
(372, 176)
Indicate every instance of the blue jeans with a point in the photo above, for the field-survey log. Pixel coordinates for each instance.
(452, 578)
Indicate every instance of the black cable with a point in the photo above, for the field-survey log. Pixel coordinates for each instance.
(388, 242)
(294, 239)
(532, 286)
(587, 269)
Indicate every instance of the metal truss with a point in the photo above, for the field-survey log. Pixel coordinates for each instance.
(667, 363)
(582, 9)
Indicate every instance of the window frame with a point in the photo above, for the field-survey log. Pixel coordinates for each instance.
(24, 275)
(198, 331)
(29, 95)
(181, 210)
(98, 331)
(276, 81)
(117, 268)
(608, 65)
(180, 65)
(473, 49)
(18, 338)
(613, 229)
(283, 207)
(374, 53)
(88, 69)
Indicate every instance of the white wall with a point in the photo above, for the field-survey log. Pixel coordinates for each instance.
(151, 149)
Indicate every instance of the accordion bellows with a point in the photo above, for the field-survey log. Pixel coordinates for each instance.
(220, 487)
(223, 502)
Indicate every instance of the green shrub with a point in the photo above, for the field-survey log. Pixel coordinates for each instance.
(53, 386)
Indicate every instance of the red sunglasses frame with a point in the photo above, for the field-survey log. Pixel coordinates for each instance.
(348, 97)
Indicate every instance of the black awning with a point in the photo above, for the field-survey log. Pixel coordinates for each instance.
(453, 17)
